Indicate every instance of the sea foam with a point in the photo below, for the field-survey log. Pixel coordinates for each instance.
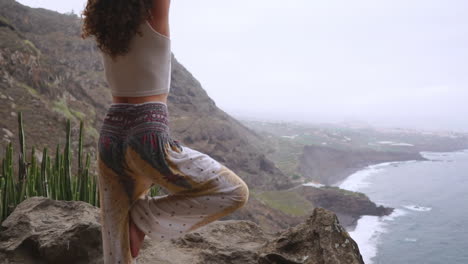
(368, 231)
(369, 228)
(417, 208)
(358, 180)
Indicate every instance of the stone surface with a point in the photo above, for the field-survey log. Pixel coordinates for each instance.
(41, 230)
(321, 239)
(52, 232)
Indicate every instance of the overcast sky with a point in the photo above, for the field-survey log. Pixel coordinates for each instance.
(390, 62)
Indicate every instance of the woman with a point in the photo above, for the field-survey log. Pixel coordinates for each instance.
(135, 148)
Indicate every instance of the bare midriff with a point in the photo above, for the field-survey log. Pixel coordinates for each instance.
(140, 99)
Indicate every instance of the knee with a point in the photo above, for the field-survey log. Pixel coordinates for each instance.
(242, 194)
(246, 192)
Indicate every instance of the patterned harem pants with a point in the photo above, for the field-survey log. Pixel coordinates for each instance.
(135, 152)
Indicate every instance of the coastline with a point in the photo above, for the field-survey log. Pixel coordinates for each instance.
(358, 179)
(369, 228)
(330, 166)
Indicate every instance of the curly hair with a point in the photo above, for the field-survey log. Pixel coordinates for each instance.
(114, 22)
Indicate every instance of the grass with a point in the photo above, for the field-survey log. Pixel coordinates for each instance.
(286, 156)
(32, 47)
(286, 201)
(77, 114)
(28, 88)
(61, 107)
(346, 192)
(92, 132)
(4, 21)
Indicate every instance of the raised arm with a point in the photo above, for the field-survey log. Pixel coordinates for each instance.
(160, 19)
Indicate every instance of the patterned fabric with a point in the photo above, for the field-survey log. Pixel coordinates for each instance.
(136, 151)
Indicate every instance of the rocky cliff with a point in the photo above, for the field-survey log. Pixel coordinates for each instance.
(349, 206)
(294, 205)
(44, 231)
(330, 165)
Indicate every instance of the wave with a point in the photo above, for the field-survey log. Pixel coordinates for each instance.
(444, 156)
(369, 228)
(417, 208)
(313, 184)
(368, 231)
(358, 180)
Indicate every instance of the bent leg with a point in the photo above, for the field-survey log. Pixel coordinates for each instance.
(201, 191)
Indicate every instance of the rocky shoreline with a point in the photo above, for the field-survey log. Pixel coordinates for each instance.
(347, 205)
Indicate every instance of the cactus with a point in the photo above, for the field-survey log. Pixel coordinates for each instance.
(52, 177)
(22, 170)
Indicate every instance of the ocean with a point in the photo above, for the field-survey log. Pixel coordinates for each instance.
(430, 222)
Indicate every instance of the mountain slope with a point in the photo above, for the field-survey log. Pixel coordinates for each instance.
(49, 73)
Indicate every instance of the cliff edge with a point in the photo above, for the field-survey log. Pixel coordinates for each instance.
(42, 231)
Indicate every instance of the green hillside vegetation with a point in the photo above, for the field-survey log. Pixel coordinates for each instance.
(288, 202)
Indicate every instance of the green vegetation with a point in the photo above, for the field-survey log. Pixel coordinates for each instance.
(29, 45)
(4, 21)
(51, 177)
(77, 114)
(28, 88)
(346, 192)
(92, 132)
(288, 202)
(296, 176)
(61, 107)
(16, 43)
(287, 155)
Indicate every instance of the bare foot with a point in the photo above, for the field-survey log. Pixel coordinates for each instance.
(136, 238)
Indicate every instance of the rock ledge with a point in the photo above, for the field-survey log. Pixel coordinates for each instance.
(41, 230)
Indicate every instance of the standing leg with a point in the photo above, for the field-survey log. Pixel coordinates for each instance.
(118, 190)
(114, 217)
(119, 187)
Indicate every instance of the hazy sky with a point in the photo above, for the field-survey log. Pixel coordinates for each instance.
(389, 62)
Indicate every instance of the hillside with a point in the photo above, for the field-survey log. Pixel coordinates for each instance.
(49, 73)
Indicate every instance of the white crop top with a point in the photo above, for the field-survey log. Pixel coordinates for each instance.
(145, 69)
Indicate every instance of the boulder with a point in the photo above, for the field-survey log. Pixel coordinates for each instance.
(49, 231)
(321, 239)
(41, 230)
